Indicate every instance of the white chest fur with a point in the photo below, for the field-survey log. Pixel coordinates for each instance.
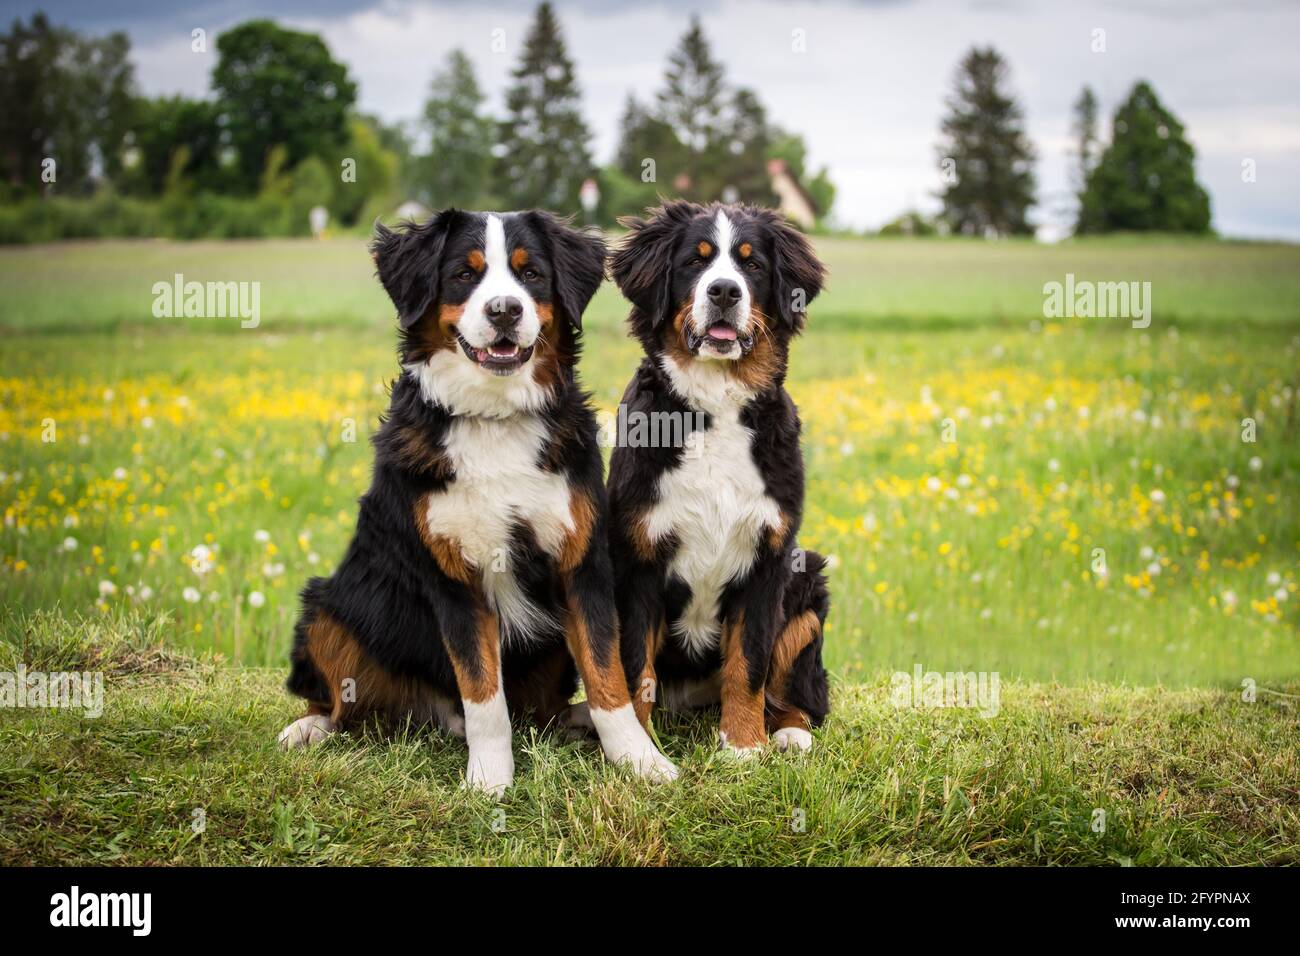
(714, 502)
(499, 485)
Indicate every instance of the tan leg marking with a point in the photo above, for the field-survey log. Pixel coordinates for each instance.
(446, 551)
(646, 692)
(370, 688)
(574, 547)
(605, 685)
(798, 633)
(477, 678)
(742, 707)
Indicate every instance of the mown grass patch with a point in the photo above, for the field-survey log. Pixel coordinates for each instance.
(1190, 776)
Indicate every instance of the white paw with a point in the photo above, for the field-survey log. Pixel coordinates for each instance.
(491, 772)
(625, 741)
(740, 753)
(305, 732)
(649, 764)
(793, 738)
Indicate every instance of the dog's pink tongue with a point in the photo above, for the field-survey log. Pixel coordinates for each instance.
(721, 331)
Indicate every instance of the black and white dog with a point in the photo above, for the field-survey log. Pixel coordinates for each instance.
(716, 602)
(479, 571)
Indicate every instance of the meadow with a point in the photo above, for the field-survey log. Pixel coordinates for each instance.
(1105, 516)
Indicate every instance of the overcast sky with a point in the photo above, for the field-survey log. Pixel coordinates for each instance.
(867, 94)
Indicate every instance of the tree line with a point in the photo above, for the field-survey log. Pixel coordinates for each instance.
(1141, 179)
(281, 134)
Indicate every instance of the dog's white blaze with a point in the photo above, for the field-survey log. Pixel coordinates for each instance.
(498, 280)
(491, 765)
(714, 501)
(498, 485)
(451, 379)
(723, 266)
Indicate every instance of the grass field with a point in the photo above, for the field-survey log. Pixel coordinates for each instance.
(1077, 446)
(1084, 775)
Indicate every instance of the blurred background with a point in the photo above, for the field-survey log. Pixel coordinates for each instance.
(914, 117)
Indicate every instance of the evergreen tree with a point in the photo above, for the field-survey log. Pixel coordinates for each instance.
(455, 173)
(986, 150)
(748, 140)
(1085, 133)
(708, 141)
(1146, 178)
(544, 151)
(691, 103)
(644, 136)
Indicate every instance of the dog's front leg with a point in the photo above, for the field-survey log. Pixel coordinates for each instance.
(748, 633)
(473, 643)
(592, 633)
(641, 634)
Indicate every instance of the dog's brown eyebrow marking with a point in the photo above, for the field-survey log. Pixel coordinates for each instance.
(746, 250)
(519, 258)
(476, 260)
(704, 249)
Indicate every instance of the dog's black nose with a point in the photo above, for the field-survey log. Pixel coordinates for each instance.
(724, 293)
(504, 312)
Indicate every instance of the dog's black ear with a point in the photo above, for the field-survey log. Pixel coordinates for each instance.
(578, 259)
(798, 273)
(408, 261)
(643, 265)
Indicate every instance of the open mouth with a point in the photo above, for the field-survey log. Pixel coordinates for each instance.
(502, 357)
(721, 338)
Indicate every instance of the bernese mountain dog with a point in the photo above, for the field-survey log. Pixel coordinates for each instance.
(479, 571)
(717, 603)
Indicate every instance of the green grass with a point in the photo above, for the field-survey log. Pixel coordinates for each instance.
(1192, 776)
(882, 283)
(976, 554)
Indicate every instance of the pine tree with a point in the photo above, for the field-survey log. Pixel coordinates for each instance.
(544, 151)
(986, 156)
(454, 172)
(1146, 178)
(1085, 133)
(748, 140)
(691, 103)
(643, 136)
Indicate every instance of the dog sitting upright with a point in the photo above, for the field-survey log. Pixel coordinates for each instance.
(717, 604)
(479, 569)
